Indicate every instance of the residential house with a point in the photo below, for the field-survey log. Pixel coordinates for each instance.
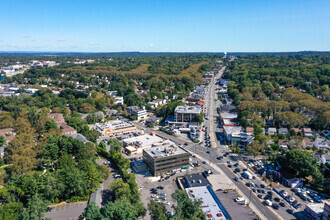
(272, 131)
(227, 108)
(307, 132)
(67, 130)
(8, 134)
(57, 117)
(321, 144)
(283, 131)
(306, 142)
(283, 144)
(249, 130)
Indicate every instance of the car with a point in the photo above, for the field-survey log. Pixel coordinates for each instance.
(270, 192)
(236, 178)
(268, 202)
(166, 203)
(228, 161)
(207, 152)
(237, 170)
(236, 165)
(294, 202)
(275, 206)
(167, 177)
(253, 177)
(162, 194)
(153, 189)
(259, 190)
(160, 187)
(254, 190)
(290, 211)
(262, 185)
(239, 199)
(162, 197)
(282, 204)
(285, 194)
(185, 144)
(154, 196)
(230, 166)
(219, 190)
(241, 178)
(259, 196)
(298, 206)
(281, 192)
(50, 209)
(171, 214)
(257, 185)
(244, 169)
(248, 184)
(194, 156)
(204, 162)
(310, 200)
(277, 199)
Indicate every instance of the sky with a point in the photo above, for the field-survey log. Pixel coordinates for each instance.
(165, 25)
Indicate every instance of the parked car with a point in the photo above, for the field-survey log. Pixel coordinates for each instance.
(290, 211)
(282, 204)
(259, 196)
(236, 178)
(160, 187)
(239, 199)
(277, 199)
(262, 185)
(275, 206)
(268, 202)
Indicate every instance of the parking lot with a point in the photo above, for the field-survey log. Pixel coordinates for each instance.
(62, 211)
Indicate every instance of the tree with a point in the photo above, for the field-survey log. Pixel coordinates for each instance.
(200, 118)
(35, 209)
(2, 141)
(157, 211)
(187, 208)
(50, 124)
(301, 163)
(92, 212)
(255, 148)
(120, 211)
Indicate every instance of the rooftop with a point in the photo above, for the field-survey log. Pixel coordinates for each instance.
(143, 140)
(228, 115)
(164, 151)
(232, 129)
(188, 109)
(209, 205)
(195, 180)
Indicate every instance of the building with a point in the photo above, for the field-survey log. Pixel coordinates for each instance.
(307, 132)
(283, 131)
(306, 142)
(31, 91)
(140, 113)
(80, 137)
(161, 159)
(186, 113)
(229, 119)
(8, 134)
(114, 128)
(137, 144)
(272, 131)
(227, 108)
(211, 205)
(232, 133)
(67, 130)
(318, 211)
(119, 100)
(57, 117)
(194, 180)
(321, 144)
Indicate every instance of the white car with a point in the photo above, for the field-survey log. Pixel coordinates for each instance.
(269, 203)
(239, 199)
(285, 194)
(166, 203)
(154, 196)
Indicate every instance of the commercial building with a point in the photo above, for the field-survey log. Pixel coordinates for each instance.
(194, 180)
(186, 113)
(318, 211)
(140, 113)
(232, 133)
(114, 128)
(163, 159)
(211, 205)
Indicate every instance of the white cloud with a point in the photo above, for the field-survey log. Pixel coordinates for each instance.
(151, 45)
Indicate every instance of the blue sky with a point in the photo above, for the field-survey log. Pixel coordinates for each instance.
(164, 25)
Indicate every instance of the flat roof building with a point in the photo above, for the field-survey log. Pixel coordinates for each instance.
(161, 159)
(115, 128)
(140, 113)
(186, 113)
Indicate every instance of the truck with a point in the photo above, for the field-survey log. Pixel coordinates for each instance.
(247, 175)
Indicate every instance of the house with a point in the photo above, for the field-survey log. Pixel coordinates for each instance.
(119, 100)
(283, 144)
(272, 131)
(153, 104)
(307, 132)
(249, 130)
(57, 117)
(8, 134)
(67, 130)
(321, 144)
(283, 131)
(297, 130)
(323, 158)
(306, 142)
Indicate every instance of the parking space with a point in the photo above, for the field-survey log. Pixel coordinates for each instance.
(235, 209)
(67, 211)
